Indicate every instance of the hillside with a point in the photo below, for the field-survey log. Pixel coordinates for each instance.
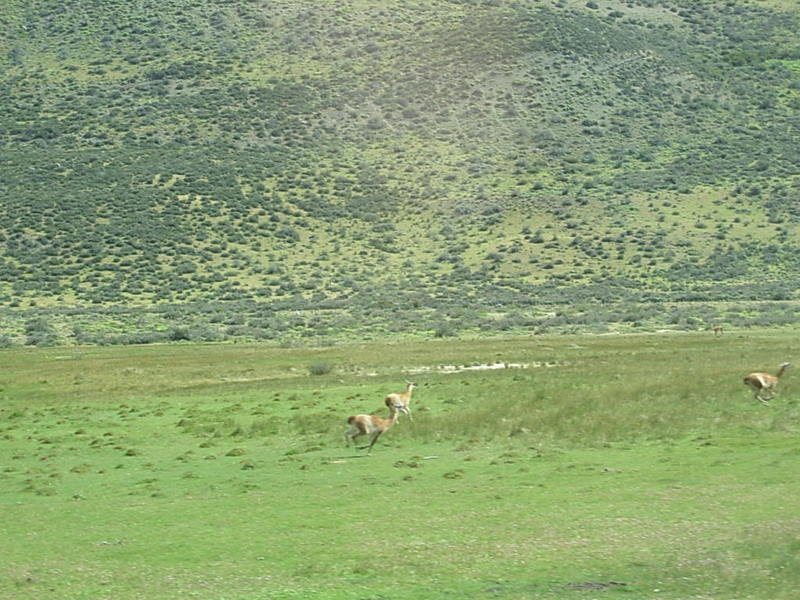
(397, 165)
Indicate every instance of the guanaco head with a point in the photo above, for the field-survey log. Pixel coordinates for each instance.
(411, 385)
(394, 406)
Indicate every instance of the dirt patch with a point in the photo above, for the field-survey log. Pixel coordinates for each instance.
(483, 367)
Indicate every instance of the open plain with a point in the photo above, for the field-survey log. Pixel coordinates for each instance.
(635, 466)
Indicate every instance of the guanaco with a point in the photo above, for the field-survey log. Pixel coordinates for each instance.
(371, 425)
(765, 383)
(403, 400)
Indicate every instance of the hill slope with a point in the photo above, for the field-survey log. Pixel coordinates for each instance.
(397, 155)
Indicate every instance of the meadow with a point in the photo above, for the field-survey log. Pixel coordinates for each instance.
(580, 466)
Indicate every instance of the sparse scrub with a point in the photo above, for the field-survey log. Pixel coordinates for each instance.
(285, 207)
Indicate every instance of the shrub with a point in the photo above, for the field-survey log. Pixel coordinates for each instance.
(39, 332)
(178, 334)
(444, 329)
(320, 368)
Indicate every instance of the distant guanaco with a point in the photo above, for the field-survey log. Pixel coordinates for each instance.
(371, 425)
(765, 383)
(403, 400)
(717, 329)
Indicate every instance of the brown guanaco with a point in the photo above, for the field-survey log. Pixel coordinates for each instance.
(403, 400)
(765, 383)
(371, 425)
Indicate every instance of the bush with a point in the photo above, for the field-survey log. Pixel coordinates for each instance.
(39, 332)
(444, 329)
(320, 368)
(178, 334)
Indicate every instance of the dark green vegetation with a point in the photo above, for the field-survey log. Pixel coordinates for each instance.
(597, 467)
(439, 160)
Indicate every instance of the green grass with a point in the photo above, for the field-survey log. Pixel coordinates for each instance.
(611, 466)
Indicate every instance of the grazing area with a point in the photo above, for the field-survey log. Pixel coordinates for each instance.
(537, 467)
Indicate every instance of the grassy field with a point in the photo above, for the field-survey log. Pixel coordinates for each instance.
(633, 466)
